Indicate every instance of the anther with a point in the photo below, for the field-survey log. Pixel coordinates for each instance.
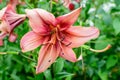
(62, 39)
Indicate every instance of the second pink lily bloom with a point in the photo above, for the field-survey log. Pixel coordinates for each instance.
(56, 35)
(9, 20)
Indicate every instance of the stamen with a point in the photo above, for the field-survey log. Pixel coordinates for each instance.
(103, 50)
(62, 38)
(58, 26)
(44, 44)
(47, 43)
(51, 27)
(52, 32)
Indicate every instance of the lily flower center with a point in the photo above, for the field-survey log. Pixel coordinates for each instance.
(54, 29)
(53, 33)
(57, 35)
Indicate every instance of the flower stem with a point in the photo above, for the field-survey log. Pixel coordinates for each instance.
(82, 59)
(28, 4)
(17, 53)
(51, 5)
(22, 54)
(102, 50)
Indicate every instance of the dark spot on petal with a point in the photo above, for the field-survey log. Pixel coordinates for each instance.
(0, 21)
(69, 44)
(62, 53)
(0, 32)
(49, 61)
(62, 39)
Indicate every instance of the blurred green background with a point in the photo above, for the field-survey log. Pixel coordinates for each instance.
(103, 14)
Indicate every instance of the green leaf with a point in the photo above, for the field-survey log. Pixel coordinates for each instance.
(68, 78)
(117, 2)
(90, 71)
(111, 61)
(14, 75)
(48, 75)
(39, 76)
(103, 75)
(101, 43)
(62, 75)
(58, 65)
(101, 63)
(116, 25)
(107, 19)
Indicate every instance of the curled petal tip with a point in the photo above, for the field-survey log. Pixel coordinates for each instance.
(39, 71)
(79, 58)
(103, 50)
(23, 15)
(68, 19)
(96, 32)
(23, 50)
(26, 10)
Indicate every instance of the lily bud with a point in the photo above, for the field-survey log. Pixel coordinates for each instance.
(71, 6)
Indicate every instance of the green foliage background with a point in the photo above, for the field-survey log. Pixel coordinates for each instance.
(104, 14)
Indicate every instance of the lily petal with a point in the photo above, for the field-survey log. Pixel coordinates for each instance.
(4, 27)
(67, 20)
(0, 1)
(30, 41)
(35, 22)
(2, 12)
(14, 3)
(80, 58)
(2, 35)
(12, 37)
(68, 54)
(47, 17)
(47, 56)
(76, 41)
(81, 31)
(11, 18)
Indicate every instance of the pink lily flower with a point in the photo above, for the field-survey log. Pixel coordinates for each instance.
(0, 1)
(66, 3)
(9, 20)
(57, 35)
(14, 3)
